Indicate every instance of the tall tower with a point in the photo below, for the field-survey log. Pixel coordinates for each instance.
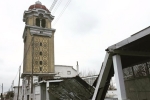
(38, 39)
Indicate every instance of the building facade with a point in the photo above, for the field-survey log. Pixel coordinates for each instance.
(16, 93)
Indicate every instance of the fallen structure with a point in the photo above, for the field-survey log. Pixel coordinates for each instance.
(130, 61)
(70, 89)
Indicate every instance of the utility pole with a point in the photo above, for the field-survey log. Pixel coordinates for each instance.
(77, 68)
(9, 94)
(2, 92)
(32, 68)
(2, 88)
(18, 83)
(12, 85)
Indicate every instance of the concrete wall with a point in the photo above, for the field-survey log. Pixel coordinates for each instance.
(137, 81)
(16, 93)
(138, 89)
(26, 86)
(37, 93)
(111, 93)
(26, 90)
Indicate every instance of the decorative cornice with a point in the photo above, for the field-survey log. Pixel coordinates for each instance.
(37, 74)
(36, 12)
(34, 30)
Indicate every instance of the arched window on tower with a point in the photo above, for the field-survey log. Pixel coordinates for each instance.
(37, 22)
(43, 23)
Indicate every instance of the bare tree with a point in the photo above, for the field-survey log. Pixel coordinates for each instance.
(87, 73)
(111, 85)
(89, 76)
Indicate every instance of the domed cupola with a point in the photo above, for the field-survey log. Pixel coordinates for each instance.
(38, 5)
(38, 15)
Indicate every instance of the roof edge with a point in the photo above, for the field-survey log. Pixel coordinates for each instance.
(130, 39)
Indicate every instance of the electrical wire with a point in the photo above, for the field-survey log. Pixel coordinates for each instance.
(55, 8)
(16, 75)
(24, 58)
(27, 50)
(67, 4)
(53, 4)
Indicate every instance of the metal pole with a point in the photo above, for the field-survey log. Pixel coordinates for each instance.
(12, 85)
(32, 70)
(18, 84)
(2, 91)
(9, 93)
(2, 88)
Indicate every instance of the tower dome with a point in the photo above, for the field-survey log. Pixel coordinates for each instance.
(38, 5)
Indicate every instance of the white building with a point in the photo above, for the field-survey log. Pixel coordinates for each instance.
(40, 89)
(65, 71)
(16, 93)
(40, 86)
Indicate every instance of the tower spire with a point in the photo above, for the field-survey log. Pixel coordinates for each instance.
(38, 2)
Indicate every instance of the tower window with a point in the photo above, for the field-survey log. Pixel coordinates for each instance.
(40, 68)
(37, 22)
(27, 97)
(41, 32)
(40, 53)
(40, 62)
(40, 44)
(43, 23)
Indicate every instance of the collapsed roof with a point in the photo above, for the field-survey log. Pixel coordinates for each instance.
(71, 89)
(131, 50)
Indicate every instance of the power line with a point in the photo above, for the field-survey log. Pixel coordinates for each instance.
(18, 84)
(62, 11)
(22, 61)
(24, 57)
(55, 9)
(16, 75)
(27, 50)
(53, 4)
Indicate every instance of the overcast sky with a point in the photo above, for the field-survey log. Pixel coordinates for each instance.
(83, 32)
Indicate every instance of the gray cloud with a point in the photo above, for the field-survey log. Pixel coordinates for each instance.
(83, 23)
(83, 32)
